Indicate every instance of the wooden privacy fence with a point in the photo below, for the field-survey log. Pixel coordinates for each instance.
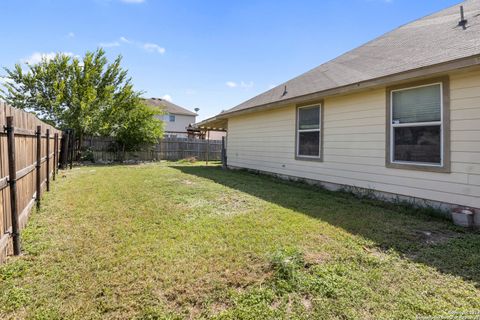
(29, 154)
(105, 149)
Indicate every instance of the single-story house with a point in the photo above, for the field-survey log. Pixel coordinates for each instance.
(399, 115)
(176, 118)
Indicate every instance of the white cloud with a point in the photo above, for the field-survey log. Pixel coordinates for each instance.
(147, 46)
(152, 47)
(37, 57)
(167, 97)
(246, 85)
(241, 84)
(4, 80)
(133, 1)
(125, 40)
(109, 44)
(71, 35)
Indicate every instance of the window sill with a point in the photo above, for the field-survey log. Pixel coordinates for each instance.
(308, 159)
(417, 167)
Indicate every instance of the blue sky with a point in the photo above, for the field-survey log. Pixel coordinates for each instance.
(207, 54)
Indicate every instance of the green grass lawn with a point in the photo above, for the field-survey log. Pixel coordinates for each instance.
(163, 241)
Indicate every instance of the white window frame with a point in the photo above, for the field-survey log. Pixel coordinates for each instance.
(319, 130)
(170, 117)
(417, 124)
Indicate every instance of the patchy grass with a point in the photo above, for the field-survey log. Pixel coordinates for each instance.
(168, 241)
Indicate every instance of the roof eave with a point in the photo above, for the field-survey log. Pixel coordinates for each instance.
(184, 114)
(392, 79)
(214, 124)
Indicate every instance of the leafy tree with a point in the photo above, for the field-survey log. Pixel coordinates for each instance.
(40, 89)
(131, 121)
(137, 127)
(89, 95)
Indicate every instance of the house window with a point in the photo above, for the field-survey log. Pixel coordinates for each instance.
(171, 118)
(309, 132)
(417, 126)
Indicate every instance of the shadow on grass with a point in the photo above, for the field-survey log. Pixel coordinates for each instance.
(412, 233)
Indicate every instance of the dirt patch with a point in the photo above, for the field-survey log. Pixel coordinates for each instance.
(377, 252)
(218, 307)
(224, 205)
(307, 303)
(435, 237)
(315, 258)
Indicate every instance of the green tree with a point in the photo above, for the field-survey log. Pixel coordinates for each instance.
(40, 88)
(137, 127)
(89, 95)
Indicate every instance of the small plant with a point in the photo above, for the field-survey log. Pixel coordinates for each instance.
(286, 264)
(87, 155)
(188, 160)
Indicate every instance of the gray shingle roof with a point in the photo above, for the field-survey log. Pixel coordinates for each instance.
(428, 41)
(169, 107)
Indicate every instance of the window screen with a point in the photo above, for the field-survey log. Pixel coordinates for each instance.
(418, 144)
(416, 127)
(308, 132)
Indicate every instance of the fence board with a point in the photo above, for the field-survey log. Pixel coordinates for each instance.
(25, 150)
(105, 149)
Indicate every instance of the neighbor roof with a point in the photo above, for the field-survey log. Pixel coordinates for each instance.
(169, 107)
(432, 40)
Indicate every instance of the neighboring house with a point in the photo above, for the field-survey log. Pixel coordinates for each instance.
(176, 118)
(399, 115)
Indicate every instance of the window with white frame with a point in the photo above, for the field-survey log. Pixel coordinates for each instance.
(309, 132)
(416, 128)
(171, 118)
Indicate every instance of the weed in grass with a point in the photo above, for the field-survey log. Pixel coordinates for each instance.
(15, 297)
(46, 314)
(287, 265)
(15, 268)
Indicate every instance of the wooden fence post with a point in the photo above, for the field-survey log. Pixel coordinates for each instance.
(208, 145)
(48, 159)
(55, 155)
(64, 151)
(224, 154)
(72, 147)
(12, 180)
(58, 153)
(39, 164)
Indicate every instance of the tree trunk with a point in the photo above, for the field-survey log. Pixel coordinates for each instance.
(80, 141)
(79, 146)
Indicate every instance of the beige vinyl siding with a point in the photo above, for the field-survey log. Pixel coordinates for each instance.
(354, 145)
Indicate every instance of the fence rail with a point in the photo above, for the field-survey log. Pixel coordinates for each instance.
(105, 149)
(29, 153)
